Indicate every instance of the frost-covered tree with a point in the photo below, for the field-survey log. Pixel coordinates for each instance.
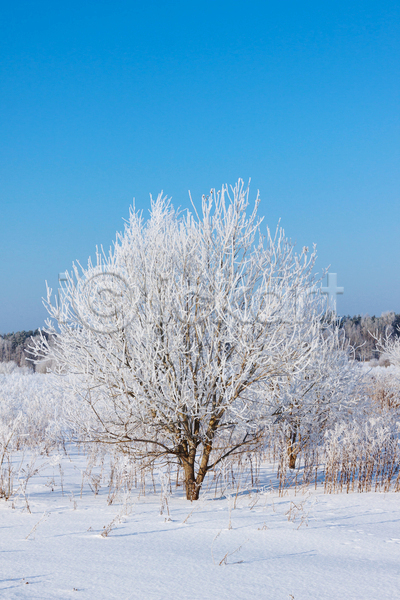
(173, 340)
(312, 400)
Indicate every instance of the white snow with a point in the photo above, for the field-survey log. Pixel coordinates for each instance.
(344, 546)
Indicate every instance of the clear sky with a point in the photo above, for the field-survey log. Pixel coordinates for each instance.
(101, 102)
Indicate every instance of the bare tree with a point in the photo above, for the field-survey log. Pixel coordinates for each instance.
(172, 341)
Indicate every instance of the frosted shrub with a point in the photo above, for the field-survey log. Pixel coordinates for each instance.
(6, 368)
(31, 418)
(362, 456)
(363, 452)
(313, 399)
(39, 403)
(350, 436)
(390, 349)
(384, 387)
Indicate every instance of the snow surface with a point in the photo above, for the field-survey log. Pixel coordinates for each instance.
(338, 547)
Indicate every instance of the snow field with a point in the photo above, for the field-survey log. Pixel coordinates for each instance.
(308, 545)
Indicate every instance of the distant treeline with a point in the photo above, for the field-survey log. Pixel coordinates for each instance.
(14, 347)
(360, 331)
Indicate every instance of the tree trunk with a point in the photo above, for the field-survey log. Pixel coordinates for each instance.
(192, 493)
(292, 459)
(292, 449)
(192, 483)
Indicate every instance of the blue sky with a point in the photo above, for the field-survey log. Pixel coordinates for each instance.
(101, 102)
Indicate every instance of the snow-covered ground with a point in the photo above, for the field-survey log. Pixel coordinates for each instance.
(305, 546)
